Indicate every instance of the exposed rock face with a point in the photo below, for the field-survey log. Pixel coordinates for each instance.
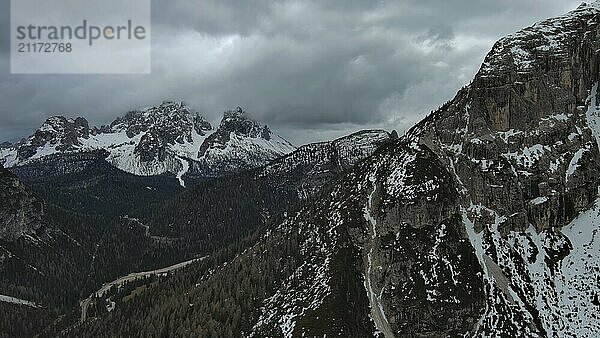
(20, 212)
(394, 219)
(469, 225)
(237, 122)
(238, 144)
(5, 145)
(167, 125)
(522, 124)
(57, 133)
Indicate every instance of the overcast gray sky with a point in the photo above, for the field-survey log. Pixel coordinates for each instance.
(312, 70)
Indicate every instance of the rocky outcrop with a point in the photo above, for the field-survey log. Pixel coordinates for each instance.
(20, 212)
(521, 141)
(515, 132)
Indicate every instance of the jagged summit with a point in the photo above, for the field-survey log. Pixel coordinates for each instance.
(57, 133)
(240, 141)
(237, 124)
(238, 121)
(162, 127)
(168, 115)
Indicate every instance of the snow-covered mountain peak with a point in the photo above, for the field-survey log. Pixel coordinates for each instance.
(237, 125)
(238, 121)
(57, 133)
(60, 127)
(160, 128)
(530, 47)
(167, 115)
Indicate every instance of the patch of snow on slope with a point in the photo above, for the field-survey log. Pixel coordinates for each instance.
(577, 285)
(189, 149)
(539, 200)
(574, 164)
(592, 115)
(528, 156)
(185, 167)
(307, 287)
(566, 296)
(13, 300)
(397, 181)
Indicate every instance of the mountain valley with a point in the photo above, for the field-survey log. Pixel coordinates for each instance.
(480, 221)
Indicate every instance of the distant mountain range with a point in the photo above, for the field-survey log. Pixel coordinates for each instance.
(169, 138)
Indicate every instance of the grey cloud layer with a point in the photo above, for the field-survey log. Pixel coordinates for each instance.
(312, 69)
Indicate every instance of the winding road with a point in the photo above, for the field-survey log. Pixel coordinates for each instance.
(84, 304)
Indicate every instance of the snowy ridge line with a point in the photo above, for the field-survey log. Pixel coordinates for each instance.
(550, 35)
(155, 141)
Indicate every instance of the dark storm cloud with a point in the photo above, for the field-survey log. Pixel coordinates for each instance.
(311, 69)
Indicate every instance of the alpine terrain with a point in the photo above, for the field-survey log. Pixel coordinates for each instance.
(482, 220)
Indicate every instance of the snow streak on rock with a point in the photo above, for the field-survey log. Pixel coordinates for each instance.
(377, 311)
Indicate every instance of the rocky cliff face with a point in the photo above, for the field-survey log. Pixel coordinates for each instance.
(525, 112)
(20, 212)
(475, 223)
(56, 134)
(171, 123)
